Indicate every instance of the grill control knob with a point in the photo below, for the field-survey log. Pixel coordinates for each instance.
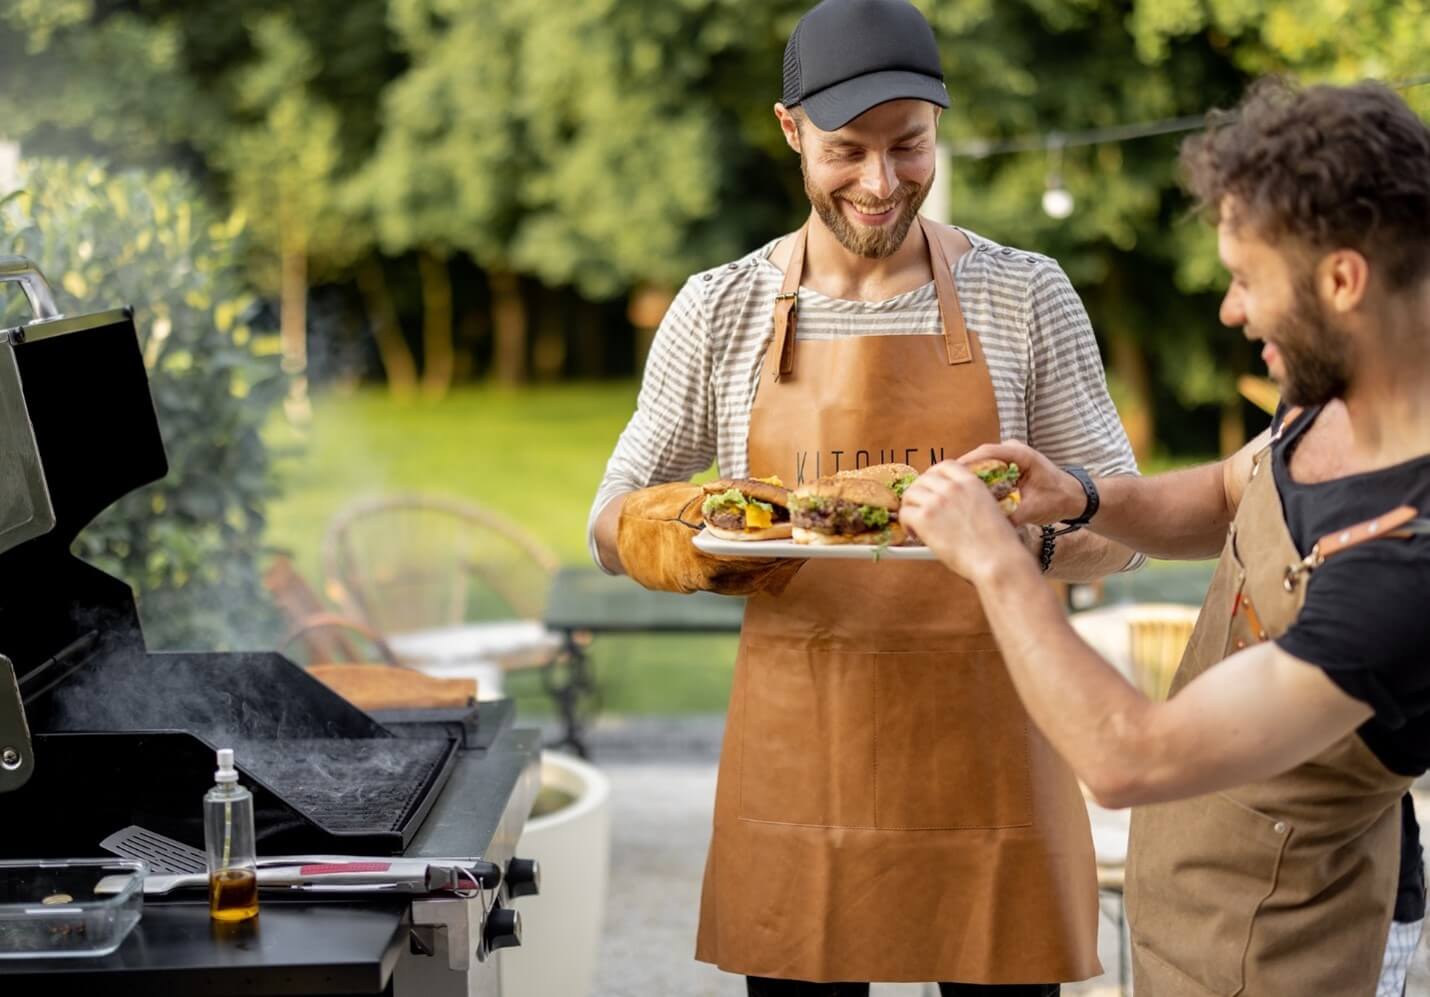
(503, 929)
(523, 878)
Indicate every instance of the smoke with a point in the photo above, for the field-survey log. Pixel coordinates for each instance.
(319, 756)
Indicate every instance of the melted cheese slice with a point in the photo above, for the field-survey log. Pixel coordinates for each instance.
(757, 518)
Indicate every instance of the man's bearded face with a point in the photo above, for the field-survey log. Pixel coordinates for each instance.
(873, 241)
(1312, 362)
(867, 180)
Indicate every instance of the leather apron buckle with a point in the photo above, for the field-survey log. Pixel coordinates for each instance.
(1305, 566)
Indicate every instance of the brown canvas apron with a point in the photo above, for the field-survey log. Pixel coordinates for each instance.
(1283, 887)
(885, 809)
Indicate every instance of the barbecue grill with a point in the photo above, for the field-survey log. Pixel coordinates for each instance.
(118, 735)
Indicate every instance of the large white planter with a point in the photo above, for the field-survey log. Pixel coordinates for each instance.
(561, 933)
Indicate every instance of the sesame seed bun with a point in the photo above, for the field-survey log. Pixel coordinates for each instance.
(892, 535)
(885, 474)
(779, 531)
(862, 491)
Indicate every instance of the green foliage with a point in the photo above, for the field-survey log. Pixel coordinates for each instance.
(575, 142)
(608, 143)
(189, 544)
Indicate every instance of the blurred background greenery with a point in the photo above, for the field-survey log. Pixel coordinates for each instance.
(422, 244)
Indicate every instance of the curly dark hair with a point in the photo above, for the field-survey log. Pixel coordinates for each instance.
(1329, 167)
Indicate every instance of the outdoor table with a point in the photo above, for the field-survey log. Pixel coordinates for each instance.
(584, 602)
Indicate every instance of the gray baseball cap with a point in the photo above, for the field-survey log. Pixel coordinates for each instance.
(846, 56)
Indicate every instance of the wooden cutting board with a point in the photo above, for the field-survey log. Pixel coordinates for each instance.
(383, 687)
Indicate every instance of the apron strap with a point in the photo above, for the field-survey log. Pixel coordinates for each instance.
(787, 304)
(1400, 523)
(955, 332)
(1387, 525)
(941, 244)
(1289, 416)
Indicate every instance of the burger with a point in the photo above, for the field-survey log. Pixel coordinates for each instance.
(747, 509)
(846, 510)
(1001, 479)
(895, 476)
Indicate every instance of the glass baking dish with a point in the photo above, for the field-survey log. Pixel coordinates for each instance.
(50, 908)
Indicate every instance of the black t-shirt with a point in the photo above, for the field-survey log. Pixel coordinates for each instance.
(1366, 619)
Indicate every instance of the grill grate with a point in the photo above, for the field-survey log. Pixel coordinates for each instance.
(347, 784)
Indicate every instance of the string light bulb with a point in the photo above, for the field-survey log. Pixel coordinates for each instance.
(1058, 201)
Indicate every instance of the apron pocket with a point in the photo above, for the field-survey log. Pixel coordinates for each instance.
(1199, 872)
(807, 751)
(951, 742)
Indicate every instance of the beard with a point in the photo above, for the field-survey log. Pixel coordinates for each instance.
(872, 242)
(1316, 358)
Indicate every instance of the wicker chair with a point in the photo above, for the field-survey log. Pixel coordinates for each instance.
(453, 588)
(349, 657)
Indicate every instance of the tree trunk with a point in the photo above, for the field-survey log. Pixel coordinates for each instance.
(646, 307)
(398, 364)
(438, 357)
(509, 327)
(293, 328)
(1129, 366)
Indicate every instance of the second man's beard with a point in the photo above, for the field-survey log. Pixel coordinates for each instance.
(1316, 358)
(862, 240)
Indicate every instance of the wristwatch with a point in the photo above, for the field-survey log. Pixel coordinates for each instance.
(1090, 490)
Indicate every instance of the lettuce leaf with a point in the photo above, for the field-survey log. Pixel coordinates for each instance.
(729, 497)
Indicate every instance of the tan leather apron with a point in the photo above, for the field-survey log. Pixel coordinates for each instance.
(885, 809)
(1283, 887)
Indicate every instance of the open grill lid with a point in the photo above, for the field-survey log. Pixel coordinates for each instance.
(79, 432)
(134, 732)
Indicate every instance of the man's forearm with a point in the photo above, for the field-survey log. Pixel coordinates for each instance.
(1085, 708)
(1085, 556)
(607, 524)
(1182, 514)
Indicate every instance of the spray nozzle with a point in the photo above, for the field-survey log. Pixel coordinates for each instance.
(226, 772)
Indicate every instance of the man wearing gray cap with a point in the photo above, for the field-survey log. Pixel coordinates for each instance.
(885, 810)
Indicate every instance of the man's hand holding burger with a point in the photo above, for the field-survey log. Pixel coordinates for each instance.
(1049, 494)
(955, 512)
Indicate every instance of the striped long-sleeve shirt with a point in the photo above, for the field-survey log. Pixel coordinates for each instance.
(704, 364)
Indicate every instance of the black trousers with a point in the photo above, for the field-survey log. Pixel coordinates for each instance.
(757, 986)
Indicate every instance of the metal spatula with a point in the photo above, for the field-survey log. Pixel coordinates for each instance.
(175, 865)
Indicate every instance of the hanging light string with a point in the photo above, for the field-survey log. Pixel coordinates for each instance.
(982, 148)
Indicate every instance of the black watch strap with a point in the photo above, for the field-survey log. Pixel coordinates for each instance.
(1090, 490)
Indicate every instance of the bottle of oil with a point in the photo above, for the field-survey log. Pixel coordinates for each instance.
(228, 836)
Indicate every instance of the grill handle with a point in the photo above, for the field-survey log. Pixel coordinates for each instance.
(19, 270)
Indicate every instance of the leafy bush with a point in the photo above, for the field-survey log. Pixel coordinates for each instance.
(189, 544)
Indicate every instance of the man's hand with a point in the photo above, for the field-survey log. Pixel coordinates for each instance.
(954, 513)
(1048, 493)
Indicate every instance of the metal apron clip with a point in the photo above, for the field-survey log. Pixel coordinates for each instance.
(1305, 566)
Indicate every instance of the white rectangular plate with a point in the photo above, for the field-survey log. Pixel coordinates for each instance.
(788, 548)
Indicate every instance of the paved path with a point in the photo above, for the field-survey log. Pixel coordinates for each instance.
(663, 777)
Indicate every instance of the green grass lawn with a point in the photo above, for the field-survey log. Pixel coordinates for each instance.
(535, 455)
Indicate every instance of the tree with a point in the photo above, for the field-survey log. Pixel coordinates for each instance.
(189, 545)
(274, 108)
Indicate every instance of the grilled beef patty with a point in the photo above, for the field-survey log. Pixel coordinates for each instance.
(837, 516)
(1001, 489)
(732, 517)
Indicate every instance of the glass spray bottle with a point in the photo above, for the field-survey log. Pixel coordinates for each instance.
(228, 837)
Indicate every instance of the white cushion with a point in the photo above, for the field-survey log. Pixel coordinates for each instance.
(507, 643)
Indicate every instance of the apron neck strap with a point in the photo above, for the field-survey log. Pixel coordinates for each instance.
(941, 244)
(787, 303)
(955, 334)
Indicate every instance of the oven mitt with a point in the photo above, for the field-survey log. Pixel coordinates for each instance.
(654, 539)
